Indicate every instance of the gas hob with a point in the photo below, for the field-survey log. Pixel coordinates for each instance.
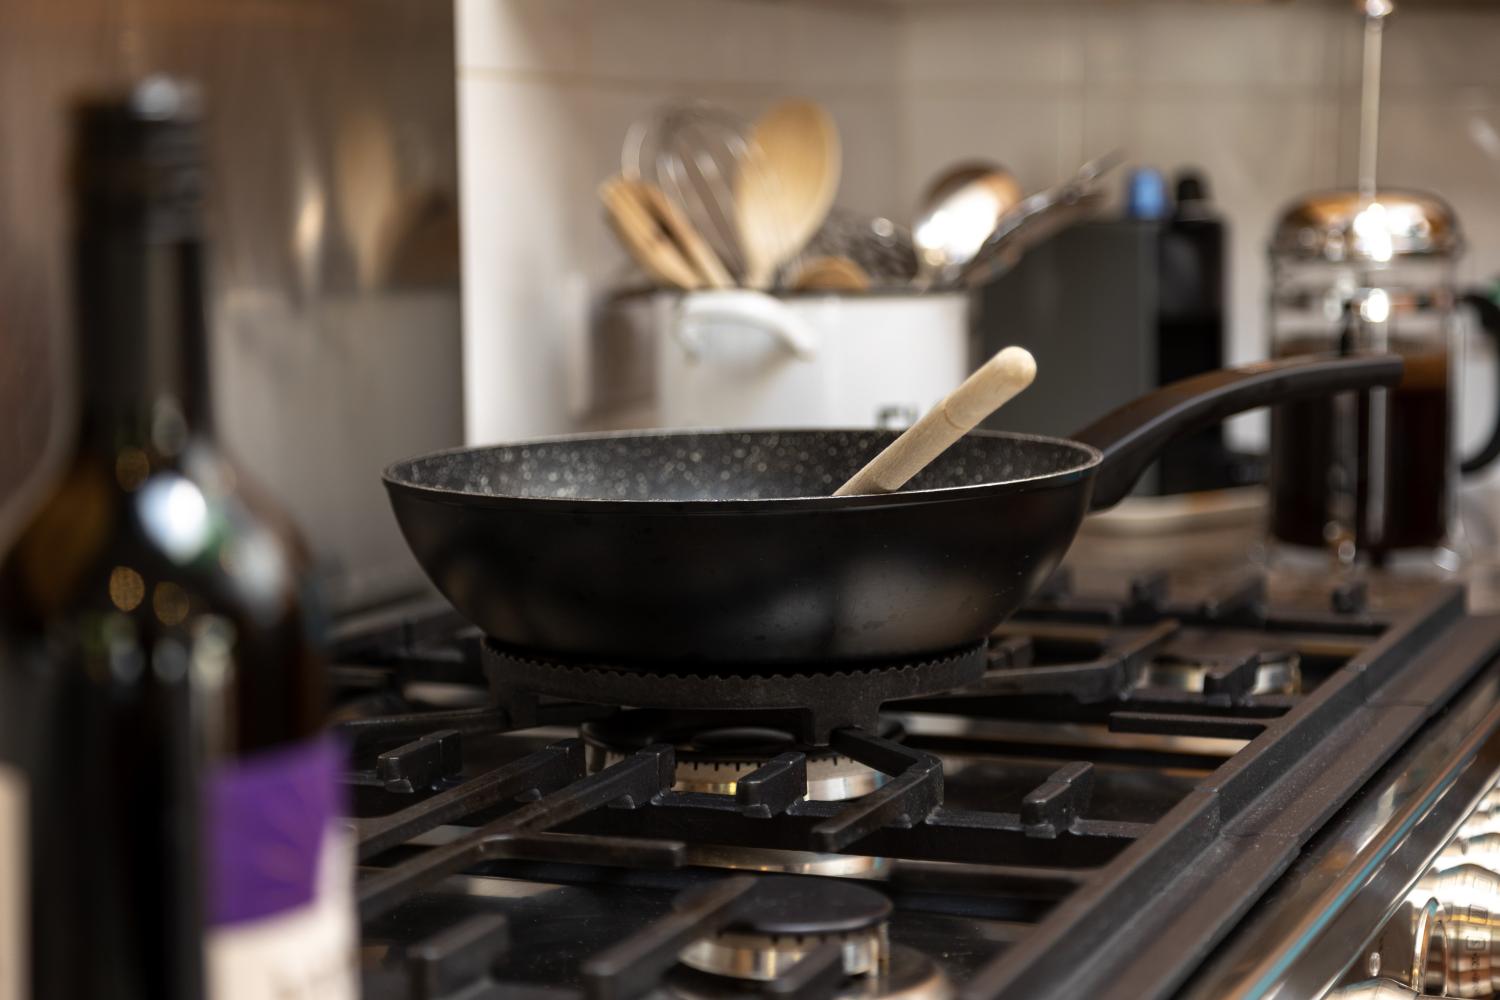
(1104, 800)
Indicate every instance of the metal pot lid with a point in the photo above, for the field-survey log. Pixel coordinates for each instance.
(1347, 226)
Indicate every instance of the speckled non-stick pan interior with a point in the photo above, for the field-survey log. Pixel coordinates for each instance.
(723, 465)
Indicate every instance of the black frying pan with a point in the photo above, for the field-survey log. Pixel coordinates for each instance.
(725, 547)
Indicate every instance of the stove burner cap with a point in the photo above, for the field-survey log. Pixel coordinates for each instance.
(783, 918)
(791, 905)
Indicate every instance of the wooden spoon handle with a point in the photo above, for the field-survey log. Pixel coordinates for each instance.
(982, 393)
(643, 237)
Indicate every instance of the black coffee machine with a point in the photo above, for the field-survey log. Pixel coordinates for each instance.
(1114, 308)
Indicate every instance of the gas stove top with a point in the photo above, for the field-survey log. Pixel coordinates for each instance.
(1100, 802)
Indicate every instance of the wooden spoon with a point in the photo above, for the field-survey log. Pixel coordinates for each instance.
(784, 191)
(830, 274)
(657, 235)
(982, 393)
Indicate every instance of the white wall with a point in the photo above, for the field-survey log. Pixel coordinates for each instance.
(1262, 96)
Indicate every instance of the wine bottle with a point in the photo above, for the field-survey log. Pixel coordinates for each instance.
(168, 799)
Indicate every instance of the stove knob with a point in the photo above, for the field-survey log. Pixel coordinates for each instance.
(1470, 899)
(1412, 949)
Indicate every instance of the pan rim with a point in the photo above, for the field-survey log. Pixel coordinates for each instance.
(903, 498)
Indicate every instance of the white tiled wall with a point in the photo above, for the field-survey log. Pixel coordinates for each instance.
(1262, 96)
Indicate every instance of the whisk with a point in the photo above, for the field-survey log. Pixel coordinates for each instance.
(693, 152)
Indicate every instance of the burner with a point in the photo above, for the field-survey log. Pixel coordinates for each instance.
(784, 918)
(1278, 672)
(907, 975)
(715, 749)
(812, 705)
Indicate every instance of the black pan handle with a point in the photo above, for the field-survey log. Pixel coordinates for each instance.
(1133, 436)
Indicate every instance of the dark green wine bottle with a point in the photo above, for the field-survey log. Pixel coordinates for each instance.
(168, 800)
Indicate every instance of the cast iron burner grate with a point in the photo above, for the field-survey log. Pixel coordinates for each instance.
(1088, 818)
(812, 704)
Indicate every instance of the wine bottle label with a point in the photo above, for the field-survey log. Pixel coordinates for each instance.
(13, 887)
(280, 906)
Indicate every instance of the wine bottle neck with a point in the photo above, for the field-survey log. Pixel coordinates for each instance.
(142, 340)
(139, 309)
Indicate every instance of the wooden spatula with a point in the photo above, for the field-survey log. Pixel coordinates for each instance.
(996, 382)
(693, 247)
(643, 238)
(659, 237)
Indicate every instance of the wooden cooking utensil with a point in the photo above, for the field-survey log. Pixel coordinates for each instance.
(831, 274)
(785, 189)
(659, 238)
(694, 249)
(643, 237)
(982, 393)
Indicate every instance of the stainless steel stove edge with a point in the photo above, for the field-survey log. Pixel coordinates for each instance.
(1316, 927)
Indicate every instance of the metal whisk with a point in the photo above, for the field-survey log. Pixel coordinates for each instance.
(692, 152)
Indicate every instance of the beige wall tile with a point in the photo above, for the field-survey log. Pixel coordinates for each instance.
(713, 42)
(1035, 136)
(870, 134)
(1450, 145)
(1440, 49)
(1244, 46)
(973, 46)
(524, 35)
(844, 48)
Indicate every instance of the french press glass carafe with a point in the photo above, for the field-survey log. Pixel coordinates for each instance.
(1370, 474)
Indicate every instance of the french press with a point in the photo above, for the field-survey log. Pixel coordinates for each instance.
(1369, 474)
